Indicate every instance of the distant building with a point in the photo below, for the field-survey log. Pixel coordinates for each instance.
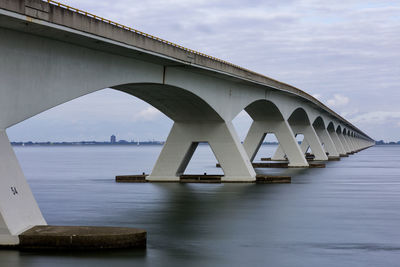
(113, 139)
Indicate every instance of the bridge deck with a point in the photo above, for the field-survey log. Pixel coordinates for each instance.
(59, 21)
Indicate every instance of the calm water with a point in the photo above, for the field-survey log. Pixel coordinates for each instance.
(344, 215)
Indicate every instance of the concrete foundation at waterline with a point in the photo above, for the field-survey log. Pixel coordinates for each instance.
(46, 237)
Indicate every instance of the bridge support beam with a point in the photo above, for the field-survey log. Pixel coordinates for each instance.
(182, 142)
(344, 143)
(310, 136)
(280, 154)
(338, 144)
(18, 208)
(304, 146)
(326, 139)
(283, 133)
(356, 143)
(359, 144)
(351, 142)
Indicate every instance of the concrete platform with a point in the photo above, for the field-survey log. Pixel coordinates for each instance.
(331, 158)
(48, 237)
(270, 159)
(201, 178)
(285, 160)
(141, 178)
(281, 165)
(206, 178)
(266, 179)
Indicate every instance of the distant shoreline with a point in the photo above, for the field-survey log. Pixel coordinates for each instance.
(88, 143)
(85, 143)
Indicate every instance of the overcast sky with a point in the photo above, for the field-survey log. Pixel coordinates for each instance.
(345, 53)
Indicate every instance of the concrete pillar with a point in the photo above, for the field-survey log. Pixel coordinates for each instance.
(337, 142)
(182, 142)
(344, 143)
(279, 153)
(304, 146)
(18, 208)
(283, 133)
(360, 144)
(355, 143)
(326, 139)
(350, 142)
(312, 139)
(356, 146)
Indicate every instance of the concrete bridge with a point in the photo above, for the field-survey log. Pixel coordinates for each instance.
(51, 54)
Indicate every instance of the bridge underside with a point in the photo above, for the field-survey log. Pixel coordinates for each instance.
(38, 73)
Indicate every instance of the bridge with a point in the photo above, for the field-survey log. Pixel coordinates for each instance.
(52, 53)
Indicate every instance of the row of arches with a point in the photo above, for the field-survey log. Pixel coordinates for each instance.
(201, 102)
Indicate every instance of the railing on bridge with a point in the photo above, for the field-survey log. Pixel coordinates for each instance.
(136, 31)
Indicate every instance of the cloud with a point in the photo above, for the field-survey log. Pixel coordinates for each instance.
(338, 100)
(148, 114)
(349, 113)
(377, 117)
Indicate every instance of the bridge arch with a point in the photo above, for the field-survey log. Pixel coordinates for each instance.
(339, 129)
(177, 103)
(264, 109)
(319, 123)
(299, 116)
(331, 127)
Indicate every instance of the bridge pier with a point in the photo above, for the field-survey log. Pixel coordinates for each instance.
(336, 140)
(304, 146)
(351, 143)
(311, 139)
(182, 143)
(344, 142)
(18, 208)
(280, 155)
(329, 145)
(287, 142)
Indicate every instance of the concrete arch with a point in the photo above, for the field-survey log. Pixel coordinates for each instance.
(267, 118)
(341, 132)
(299, 116)
(334, 134)
(264, 109)
(319, 123)
(177, 103)
(331, 127)
(301, 124)
(324, 135)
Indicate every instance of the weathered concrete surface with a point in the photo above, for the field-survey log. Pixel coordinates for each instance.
(81, 238)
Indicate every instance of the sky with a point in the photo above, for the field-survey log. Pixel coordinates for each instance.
(345, 53)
